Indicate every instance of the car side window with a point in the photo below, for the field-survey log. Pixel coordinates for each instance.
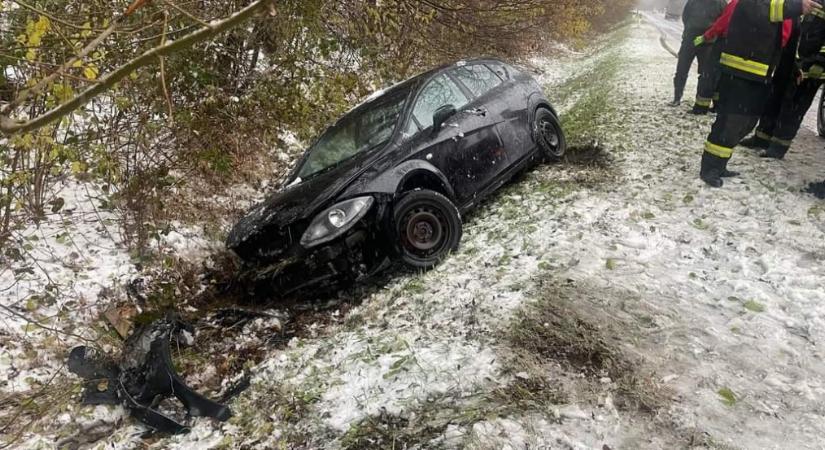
(478, 78)
(500, 70)
(441, 91)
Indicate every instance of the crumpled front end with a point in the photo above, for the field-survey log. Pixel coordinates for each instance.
(280, 265)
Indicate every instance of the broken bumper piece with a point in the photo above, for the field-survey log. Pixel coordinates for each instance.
(144, 378)
(327, 264)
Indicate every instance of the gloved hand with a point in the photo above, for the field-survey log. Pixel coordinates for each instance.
(699, 40)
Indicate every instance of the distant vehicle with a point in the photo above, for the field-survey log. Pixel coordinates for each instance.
(674, 9)
(392, 177)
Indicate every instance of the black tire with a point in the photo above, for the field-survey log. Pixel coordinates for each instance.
(820, 116)
(427, 228)
(548, 135)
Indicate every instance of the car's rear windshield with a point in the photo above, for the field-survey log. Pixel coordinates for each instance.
(363, 129)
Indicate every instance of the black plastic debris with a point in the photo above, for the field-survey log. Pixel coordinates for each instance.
(817, 189)
(144, 378)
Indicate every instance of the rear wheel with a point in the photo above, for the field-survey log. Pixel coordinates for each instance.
(548, 135)
(427, 228)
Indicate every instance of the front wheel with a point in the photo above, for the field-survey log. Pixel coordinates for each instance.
(548, 135)
(427, 228)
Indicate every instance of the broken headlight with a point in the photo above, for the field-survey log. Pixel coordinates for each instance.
(335, 221)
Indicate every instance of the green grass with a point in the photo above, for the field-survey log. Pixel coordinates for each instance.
(754, 306)
(594, 107)
(727, 396)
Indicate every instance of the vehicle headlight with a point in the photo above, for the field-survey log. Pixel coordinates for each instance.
(335, 221)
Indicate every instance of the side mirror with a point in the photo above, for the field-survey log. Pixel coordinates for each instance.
(441, 115)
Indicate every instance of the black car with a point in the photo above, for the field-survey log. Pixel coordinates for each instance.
(392, 177)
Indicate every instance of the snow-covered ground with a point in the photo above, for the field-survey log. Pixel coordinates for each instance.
(709, 301)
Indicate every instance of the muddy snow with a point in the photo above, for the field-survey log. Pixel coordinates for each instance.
(609, 301)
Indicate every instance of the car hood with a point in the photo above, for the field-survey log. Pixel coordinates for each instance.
(301, 201)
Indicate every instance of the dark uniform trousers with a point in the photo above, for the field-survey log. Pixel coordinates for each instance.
(791, 97)
(779, 125)
(687, 53)
(750, 58)
(741, 103)
(708, 89)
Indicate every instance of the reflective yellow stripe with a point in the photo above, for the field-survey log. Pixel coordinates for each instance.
(781, 141)
(822, 50)
(718, 150)
(777, 10)
(702, 101)
(818, 12)
(744, 65)
(762, 135)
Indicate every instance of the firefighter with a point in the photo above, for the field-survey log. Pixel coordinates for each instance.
(697, 16)
(716, 36)
(783, 116)
(749, 60)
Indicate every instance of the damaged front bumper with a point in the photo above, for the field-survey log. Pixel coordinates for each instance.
(359, 252)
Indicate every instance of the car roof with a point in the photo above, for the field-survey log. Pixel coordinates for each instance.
(460, 63)
(414, 80)
(429, 73)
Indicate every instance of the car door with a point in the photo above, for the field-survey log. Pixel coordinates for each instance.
(505, 109)
(511, 101)
(480, 153)
(466, 148)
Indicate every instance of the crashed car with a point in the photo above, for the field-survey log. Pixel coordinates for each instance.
(391, 178)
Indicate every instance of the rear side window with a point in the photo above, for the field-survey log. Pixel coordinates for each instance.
(441, 91)
(500, 70)
(478, 78)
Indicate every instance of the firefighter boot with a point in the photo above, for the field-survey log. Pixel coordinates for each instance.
(755, 142)
(713, 167)
(728, 173)
(699, 110)
(677, 96)
(774, 151)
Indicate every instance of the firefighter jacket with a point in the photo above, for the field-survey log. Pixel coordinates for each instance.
(719, 29)
(754, 44)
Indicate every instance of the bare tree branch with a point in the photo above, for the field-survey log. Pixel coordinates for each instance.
(10, 126)
(163, 68)
(184, 12)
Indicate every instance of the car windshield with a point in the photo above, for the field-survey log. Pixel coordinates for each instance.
(357, 132)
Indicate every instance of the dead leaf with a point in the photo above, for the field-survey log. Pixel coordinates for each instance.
(137, 4)
(120, 317)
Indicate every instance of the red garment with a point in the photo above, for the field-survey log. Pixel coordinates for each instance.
(720, 27)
